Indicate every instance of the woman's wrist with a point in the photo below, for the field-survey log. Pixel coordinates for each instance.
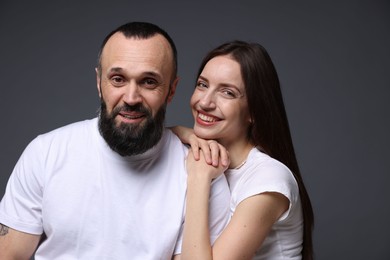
(198, 178)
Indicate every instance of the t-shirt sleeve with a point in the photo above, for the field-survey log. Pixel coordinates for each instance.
(270, 176)
(179, 241)
(20, 207)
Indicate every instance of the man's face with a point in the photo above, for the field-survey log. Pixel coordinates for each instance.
(135, 84)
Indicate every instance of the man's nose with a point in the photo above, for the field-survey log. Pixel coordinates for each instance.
(132, 94)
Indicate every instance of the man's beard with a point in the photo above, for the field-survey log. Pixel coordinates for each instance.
(130, 139)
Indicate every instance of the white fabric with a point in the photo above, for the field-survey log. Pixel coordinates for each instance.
(260, 174)
(94, 204)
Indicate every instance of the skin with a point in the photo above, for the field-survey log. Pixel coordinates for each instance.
(16, 245)
(220, 109)
(133, 71)
(226, 121)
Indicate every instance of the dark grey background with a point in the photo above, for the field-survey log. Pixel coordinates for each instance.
(333, 61)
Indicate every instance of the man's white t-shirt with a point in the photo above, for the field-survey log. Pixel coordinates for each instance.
(95, 204)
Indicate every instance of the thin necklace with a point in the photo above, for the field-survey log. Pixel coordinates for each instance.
(241, 164)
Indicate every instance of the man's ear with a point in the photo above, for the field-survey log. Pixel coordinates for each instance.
(98, 82)
(172, 89)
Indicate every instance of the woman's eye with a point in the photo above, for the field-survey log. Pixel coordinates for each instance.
(201, 84)
(228, 93)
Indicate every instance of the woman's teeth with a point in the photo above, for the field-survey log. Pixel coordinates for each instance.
(206, 118)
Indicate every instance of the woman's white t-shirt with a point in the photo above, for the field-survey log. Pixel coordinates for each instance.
(260, 174)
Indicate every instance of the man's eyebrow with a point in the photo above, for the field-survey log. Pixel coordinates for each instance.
(146, 73)
(152, 74)
(116, 69)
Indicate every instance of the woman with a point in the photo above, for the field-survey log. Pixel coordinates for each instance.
(238, 103)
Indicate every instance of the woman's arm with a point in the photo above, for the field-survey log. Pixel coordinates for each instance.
(196, 241)
(184, 133)
(249, 226)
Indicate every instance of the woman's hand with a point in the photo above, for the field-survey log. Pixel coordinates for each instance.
(213, 152)
(201, 169)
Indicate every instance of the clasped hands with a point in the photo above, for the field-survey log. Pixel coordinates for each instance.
(206, 156)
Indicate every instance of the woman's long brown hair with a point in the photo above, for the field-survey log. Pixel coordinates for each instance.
(270, 129)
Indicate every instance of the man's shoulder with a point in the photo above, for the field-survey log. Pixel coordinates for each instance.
(74, 126)
(171, 139)
(174, 142)
(62, 141)
(76, 130)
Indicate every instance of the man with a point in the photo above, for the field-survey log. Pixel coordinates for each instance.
(112, 187)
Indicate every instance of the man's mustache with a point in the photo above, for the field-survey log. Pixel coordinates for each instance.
(139, 108)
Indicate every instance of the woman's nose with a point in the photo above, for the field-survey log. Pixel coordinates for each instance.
(207, 100)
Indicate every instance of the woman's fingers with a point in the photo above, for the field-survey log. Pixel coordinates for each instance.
(213, 152)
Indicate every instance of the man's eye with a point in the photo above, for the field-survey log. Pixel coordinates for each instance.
(149, 83)
(117, 80)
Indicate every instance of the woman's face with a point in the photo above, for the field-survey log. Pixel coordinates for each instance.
(219, 103)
